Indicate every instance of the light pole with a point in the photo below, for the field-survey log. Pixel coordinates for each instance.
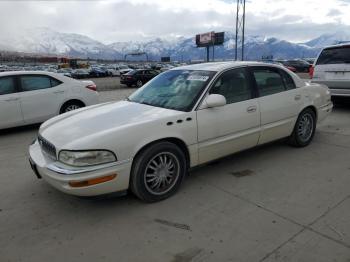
(240, 27)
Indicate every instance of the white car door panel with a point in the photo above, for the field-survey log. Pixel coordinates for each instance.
(279, 107)
(228, 129)
(10, 110)
(40, 101)
(233, 127)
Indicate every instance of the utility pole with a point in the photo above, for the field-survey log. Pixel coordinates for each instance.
(240, 28)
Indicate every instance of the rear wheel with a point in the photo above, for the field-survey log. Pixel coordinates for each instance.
(304, 129)
(70, 106)
(158, 172)
(139, 83)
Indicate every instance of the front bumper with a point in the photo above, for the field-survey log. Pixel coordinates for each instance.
(59, 175)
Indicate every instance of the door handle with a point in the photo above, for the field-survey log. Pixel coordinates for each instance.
(251, 109)
(12, 99)
(58, 92)
(297, 97)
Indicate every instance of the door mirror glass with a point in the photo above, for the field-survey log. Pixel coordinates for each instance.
(215, 100)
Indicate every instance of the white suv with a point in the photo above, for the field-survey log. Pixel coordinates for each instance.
(332, 68)
(34, 97)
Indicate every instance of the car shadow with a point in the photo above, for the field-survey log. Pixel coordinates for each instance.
(341, 103)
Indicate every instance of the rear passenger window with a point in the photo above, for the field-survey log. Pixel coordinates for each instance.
(35, 82)
(55, 82)
(7, 86)
(233, 85)
(288, 81)
(268, 81)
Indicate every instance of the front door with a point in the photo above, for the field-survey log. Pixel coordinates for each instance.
(233, 127)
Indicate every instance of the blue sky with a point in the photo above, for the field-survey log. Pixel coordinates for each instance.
(123, 20)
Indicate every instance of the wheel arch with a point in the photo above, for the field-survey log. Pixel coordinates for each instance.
(313, 108)
(71, 101)
(174, 140)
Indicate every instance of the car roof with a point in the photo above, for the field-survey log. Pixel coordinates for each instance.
(11, 73)
(220, 66)
(347, 44)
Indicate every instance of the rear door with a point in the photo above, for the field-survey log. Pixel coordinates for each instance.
(280, 102)
(10, 109)
(40, 97)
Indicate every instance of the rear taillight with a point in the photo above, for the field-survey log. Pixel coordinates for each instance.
(311, 71)
(92, 87)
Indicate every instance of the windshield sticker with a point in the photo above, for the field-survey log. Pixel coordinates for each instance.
(198, 78)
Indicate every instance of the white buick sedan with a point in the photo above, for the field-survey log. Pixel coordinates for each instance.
(183, 118)
(33, 97)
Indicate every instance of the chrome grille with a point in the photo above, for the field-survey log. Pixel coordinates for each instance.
(47, 147)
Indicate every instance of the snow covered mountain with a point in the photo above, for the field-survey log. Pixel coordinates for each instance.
(185, 48)
(329, 39)
(47, 41)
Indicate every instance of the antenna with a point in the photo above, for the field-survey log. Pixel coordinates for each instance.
(240, 28)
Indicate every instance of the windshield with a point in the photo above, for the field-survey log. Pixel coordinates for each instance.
(175, 89)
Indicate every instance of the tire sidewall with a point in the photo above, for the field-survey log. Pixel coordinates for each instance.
(139, 166)
(296, 136)
(137, 83)
(64, 108)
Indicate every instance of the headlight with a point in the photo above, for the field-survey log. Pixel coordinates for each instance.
(86, 158)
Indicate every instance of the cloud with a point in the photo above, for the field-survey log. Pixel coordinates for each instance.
(121, 20)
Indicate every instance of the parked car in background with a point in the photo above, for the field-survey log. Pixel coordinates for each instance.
(332, 68)
(301, 66)
(311, 61)
(28, 97)
(65, 72)
(280, 64)
(183, 118)
(118, 70)
(98, 72)
(138, 77)
(80, 73)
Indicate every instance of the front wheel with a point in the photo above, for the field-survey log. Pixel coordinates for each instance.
(304, 129)
(158, 172)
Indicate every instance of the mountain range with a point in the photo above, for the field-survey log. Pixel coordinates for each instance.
(47, 41)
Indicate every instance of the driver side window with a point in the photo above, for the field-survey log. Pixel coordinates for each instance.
(233, 85)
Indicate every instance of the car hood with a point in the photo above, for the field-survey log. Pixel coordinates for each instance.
(88, 123)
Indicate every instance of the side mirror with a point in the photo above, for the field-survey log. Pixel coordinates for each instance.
(215, 100)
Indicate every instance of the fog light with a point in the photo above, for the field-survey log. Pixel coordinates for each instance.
(93, 181)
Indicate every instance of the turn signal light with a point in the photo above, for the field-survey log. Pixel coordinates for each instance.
(93, 181)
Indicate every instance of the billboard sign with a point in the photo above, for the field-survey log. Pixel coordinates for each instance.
(209, 39)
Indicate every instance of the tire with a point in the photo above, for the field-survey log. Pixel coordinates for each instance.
(158, 172)
(139, 83)
(304, 129)
(70, 106)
